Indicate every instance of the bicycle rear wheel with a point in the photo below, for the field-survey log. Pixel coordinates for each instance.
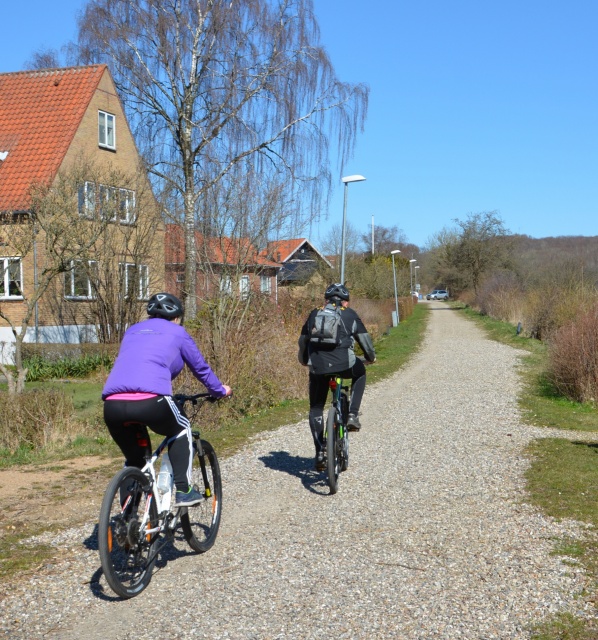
(201, 522)
(126, 554)
(332, 462)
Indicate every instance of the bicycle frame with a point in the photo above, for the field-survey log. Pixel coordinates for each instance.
(337, 388)
(168, 520)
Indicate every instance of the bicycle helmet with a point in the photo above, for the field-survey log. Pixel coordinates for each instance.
(164, 305)
(337, 291)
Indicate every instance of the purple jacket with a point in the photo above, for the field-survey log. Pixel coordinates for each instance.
(152, 354)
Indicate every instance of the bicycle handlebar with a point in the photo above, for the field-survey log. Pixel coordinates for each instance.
(204, 397)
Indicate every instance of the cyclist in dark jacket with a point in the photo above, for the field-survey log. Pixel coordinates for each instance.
(325, 361)
(138, 390)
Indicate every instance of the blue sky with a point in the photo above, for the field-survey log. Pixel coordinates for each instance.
(474, 106)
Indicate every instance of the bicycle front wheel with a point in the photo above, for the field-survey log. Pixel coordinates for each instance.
(201, 522)
(126, 553)
(332, 462)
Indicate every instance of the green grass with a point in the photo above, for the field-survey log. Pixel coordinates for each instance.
(562, 479)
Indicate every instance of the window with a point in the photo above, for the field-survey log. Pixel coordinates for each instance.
(135, 280)
(226, 285)
(116, 205)
(87, 199)
(106, 130)
(77, 281)
(11, 283)
(265, 285)
(244, 288)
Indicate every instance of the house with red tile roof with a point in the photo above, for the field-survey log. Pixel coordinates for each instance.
(225, 265)
(299, 259)
(53, 123)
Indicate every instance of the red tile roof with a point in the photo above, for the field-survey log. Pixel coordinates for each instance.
(286, 248)
(220, 250)
(40, 112)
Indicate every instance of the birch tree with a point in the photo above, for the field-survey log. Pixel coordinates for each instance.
(210, 85)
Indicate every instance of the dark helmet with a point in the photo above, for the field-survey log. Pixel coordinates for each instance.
(337, 291)
(164, 305)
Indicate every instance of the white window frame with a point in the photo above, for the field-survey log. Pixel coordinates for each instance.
(106, 130)
(226, 284)
(5, 281)
(70, 279)
(141, 284)
(87, 200)
(124, 208)
(244, 287)
(266, 285)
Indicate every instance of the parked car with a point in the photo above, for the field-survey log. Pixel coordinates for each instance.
(438, 294)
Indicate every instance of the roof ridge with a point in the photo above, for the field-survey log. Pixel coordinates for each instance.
(40, 73)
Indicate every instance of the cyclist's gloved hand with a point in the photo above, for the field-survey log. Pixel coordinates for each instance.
(229, 391)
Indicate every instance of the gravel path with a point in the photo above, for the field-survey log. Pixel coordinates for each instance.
(428, 536)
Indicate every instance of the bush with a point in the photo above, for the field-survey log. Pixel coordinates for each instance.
(253, 348)
(573, 357)
(377, 314)
(501, 297)
(40, 368)
(35, 419)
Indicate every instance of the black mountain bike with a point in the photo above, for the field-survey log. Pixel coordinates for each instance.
(137, 520)
(336, 435)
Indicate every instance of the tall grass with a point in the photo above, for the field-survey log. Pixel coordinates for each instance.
(36, 419)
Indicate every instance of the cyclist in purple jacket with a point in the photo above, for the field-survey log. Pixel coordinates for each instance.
(139, 390)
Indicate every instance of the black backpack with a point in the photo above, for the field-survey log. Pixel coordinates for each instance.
(325, 329)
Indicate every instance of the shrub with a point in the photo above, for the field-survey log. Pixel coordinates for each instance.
(40, 368)
(253, 348)
(501, 297)
(377, 314)
(35, 419)
(573, 358)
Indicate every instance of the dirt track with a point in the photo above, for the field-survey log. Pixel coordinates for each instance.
(428, 537)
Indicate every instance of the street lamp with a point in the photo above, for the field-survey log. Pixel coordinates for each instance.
(346, 180)
(411, 275)
(394, 275)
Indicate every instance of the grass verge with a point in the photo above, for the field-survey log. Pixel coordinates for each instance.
(562, 479)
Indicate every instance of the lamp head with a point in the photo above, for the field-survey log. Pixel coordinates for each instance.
(356, 178)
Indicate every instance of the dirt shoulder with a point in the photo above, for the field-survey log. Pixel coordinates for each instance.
(34, 498)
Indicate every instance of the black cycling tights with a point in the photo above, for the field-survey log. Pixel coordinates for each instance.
(125, 418)
(318, 392)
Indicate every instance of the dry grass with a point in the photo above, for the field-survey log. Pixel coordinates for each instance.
(36, 419)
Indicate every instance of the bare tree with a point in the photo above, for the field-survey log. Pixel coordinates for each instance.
(44, 58)
(209, 85)
(51, 238)
(386, 239)
(332, 241)
(115, 275)
(459, 257)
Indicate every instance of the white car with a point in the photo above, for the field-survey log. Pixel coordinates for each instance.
(438, 294)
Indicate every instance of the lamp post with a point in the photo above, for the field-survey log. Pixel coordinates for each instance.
(415, 276)
(346, 180)
(411, 275)
(394, 275)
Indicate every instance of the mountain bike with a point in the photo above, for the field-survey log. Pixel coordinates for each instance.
(336, 435)
(137, 520)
